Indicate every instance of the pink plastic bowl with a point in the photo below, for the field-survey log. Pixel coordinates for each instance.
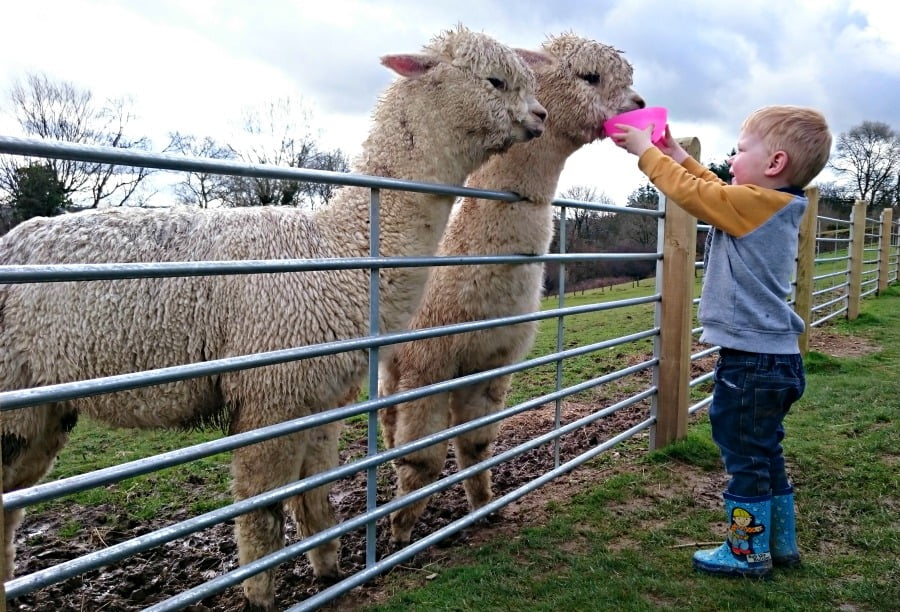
(640, 118)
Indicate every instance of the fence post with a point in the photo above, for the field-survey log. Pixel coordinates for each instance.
(676, 316)
(884, 264)
(806, 264)
(857, 251)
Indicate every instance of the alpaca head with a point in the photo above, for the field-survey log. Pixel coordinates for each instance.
(586, 84)
(475, 88)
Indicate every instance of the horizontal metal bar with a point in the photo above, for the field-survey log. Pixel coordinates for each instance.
(11, 400)
(115, 271)
(824, 305)
(705, 352)
(833, 220)
(627, 210)
(831, 275)
(830, 316)
(704, 402)
(701, 379)
(168, 161)
(822, 239)
(830, 259)
(828, 290)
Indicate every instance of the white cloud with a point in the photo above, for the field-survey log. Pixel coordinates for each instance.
(192, 66)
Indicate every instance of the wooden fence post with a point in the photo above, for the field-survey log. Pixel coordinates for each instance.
(884, 264)
(857, 252)
(806, 265)
(676, 317)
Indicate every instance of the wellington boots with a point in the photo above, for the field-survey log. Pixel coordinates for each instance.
(783, 539)
(745, 551)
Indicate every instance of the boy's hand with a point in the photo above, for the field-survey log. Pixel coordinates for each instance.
(632, 139)
(670, 147)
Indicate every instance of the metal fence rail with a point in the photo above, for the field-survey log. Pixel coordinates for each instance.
(831, 294)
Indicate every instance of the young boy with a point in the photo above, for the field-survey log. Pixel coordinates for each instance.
(749, 260)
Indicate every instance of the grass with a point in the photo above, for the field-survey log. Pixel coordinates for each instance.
(627, 543)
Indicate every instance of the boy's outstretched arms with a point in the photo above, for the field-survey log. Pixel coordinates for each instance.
(637, 141)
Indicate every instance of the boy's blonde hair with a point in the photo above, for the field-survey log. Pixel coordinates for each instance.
(800, 132)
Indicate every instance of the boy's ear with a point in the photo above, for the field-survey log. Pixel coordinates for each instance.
(777, 164)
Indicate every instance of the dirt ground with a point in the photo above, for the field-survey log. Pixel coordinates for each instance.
(153, 576)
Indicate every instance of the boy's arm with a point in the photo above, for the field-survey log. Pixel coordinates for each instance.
(735, 209)
(700, 171)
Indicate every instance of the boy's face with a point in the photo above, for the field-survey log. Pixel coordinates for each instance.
(749, 164)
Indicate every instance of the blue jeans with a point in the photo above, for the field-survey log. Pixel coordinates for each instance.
(753, 392)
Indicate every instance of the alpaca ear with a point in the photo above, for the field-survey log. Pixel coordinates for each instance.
(535, 59)
(409, 65)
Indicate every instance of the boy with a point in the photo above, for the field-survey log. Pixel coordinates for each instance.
(748, 264)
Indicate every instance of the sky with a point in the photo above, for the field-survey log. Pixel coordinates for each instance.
(194, 66)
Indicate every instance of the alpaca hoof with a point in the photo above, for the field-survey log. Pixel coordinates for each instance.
(249, 606)
(397, 544)
(330, 578)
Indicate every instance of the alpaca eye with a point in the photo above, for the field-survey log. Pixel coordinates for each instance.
(593, 79)
(497, 83)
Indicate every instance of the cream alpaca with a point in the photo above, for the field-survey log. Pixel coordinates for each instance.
(586, 83)
(463, 98)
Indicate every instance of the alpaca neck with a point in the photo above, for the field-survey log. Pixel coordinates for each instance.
(530, 169)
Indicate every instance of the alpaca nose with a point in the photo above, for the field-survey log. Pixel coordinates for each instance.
(541, 114)
(639, 101)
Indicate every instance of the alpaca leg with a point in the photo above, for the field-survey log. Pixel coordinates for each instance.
(415, 420)
(387, 417)
(11, 522)
(312, 510)
(259, 468)
(473, 447)
(28, 457)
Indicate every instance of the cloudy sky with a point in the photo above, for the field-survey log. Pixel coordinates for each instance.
(192, 66)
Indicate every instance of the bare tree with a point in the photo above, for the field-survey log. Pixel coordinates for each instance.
(869, 155)
(642, 230)
(279, 133)
(197, 188)
(580, 216)
(59, 110)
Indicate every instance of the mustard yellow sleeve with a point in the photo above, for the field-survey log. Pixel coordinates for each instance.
(735, 209)
(701, 171)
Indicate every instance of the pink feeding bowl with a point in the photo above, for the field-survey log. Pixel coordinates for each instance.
(640, 118)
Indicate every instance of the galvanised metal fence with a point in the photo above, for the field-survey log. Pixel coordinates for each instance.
(667, 396)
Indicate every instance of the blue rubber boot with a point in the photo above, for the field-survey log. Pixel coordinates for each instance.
(745, 551)
(783, 539)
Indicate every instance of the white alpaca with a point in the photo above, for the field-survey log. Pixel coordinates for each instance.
(585, 84)
(464, 98)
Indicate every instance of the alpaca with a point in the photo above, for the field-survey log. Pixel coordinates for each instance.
(585, 84)
(462, 99)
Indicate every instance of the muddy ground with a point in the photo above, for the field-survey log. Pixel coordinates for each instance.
(158, 574)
